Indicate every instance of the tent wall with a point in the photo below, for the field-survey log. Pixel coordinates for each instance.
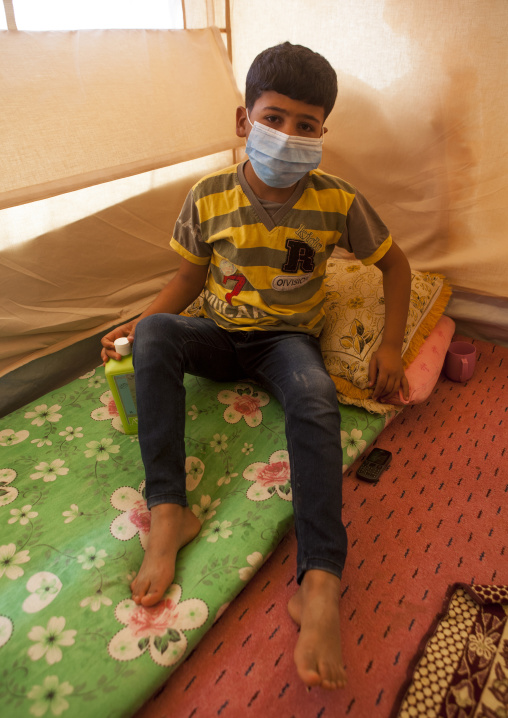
(420, 127)
(101, 136)
(98, 130)
(109, 104)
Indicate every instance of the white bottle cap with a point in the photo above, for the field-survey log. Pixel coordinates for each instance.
(123, 346)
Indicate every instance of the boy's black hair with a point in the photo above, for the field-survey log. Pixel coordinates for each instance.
(295, 71)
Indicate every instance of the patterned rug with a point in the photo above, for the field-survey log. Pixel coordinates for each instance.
(462, 668)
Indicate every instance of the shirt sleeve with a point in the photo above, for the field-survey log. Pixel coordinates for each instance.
(186, 239)
(365, 234)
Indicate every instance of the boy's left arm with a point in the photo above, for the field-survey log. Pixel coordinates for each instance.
(386, 373)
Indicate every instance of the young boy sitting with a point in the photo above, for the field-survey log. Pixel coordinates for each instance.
(256, 238)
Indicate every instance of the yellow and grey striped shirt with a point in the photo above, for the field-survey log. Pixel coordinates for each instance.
(266, 271)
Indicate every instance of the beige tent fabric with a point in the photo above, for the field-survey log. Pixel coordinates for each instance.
(80, 108)
(203, 13)
(200, 13)
(82, 278)
(420, 124)
(87, 107)
(419, 127)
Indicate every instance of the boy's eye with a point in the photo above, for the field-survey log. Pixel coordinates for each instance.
(305, 128)
(272, 118)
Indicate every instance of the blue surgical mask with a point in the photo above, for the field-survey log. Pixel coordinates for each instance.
(280, 160)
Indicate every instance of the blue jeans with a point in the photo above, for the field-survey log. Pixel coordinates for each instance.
(287, 364)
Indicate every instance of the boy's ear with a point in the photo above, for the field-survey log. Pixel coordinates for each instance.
(241, 122)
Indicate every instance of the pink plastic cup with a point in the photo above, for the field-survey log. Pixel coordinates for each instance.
(460, 361)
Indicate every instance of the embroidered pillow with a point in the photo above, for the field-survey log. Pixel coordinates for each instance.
(355, 320)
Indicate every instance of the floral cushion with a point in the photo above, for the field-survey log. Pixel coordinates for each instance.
(355, 321)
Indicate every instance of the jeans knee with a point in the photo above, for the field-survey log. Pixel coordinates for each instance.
(155, 333)
(153, 325)
(313, 395)
(313, 384)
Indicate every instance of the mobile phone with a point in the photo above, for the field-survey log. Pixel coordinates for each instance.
(374, 464)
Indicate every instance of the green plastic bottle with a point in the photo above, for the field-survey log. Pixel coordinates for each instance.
(120, 376)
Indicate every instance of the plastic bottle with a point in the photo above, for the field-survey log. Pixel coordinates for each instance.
(120, 376)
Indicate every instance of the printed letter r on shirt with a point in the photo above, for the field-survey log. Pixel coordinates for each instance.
(299, 256)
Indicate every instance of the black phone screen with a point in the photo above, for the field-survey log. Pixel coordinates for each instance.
(378, 456)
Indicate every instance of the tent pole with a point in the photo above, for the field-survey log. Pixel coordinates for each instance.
(228, 31)
(9, 15)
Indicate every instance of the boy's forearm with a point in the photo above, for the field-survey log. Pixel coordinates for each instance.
(172, 299)
(397, 292)
(386, 373)
(181, 291)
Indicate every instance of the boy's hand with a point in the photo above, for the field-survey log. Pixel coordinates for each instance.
(386, 374)
(108, 345)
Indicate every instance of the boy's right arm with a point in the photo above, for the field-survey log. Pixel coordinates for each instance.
(181, 291)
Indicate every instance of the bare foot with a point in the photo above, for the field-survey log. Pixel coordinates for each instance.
(172, 526)
(315, 608)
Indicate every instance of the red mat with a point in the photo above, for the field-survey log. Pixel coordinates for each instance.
(437, 517)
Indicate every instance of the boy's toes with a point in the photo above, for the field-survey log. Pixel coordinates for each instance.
(329, 685)
(332, 678)
(327, 676)
(152, 596)
(315, 672)
(307, 668)
(309, 677)
(135, 593)
(139, 589)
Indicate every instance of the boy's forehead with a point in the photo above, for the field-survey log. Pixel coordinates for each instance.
(275, 102)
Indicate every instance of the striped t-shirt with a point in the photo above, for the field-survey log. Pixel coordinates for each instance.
(266, 272)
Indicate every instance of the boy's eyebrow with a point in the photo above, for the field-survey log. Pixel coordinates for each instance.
(285, 112)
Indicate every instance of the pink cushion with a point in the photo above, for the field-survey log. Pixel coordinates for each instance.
(423, 373)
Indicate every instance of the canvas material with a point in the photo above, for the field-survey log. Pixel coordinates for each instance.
(419, 127)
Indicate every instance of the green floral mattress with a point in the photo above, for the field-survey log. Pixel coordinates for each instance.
(73, 523)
